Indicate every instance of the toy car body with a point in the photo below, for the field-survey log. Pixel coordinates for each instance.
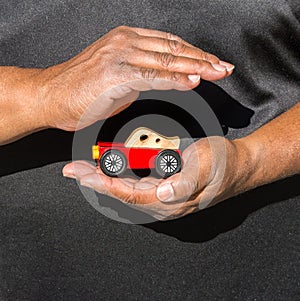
(138, 152)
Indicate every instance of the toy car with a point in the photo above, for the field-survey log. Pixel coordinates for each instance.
(144, 149)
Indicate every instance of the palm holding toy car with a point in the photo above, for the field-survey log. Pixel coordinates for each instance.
(144, 149)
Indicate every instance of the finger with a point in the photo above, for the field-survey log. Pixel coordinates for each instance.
(139, 194)
(186, 184)
(169, 36)
(77, 169)
(160, 34)
(144, 79)
(170, 43)
(178, 48)
(181, 64)
(88, 175)
(174, 47)
(180, 187)
(128, 192)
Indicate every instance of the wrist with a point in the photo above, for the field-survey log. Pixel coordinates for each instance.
(48, 105)
(20, 110)
(56, 92)
(34, 106)
(249, 160)
(273, 150)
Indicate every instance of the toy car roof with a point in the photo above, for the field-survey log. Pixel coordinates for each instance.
(143, 137)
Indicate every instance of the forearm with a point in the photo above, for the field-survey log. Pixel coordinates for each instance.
(273, 151)
(21, 112)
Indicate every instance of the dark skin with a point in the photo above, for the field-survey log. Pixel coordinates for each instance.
(214, 170)
(100, 81)
(105, 78)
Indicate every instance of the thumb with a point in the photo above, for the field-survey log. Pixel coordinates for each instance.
(178, 187)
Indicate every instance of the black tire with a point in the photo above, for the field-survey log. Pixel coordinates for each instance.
(167, 163)
(113, 163)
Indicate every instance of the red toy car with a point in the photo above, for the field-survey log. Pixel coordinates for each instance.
(144, 149)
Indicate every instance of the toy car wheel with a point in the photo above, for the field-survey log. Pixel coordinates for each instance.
(113, 163)
(167, 163)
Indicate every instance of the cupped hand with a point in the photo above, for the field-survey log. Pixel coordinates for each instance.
(214, 169)
(108, 75)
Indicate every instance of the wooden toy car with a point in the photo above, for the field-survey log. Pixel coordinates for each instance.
(144, 149)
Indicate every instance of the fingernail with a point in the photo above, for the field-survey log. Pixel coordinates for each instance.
(71, 176)
(219, 67)
(165, 192)
(229, 67)
(194, 78)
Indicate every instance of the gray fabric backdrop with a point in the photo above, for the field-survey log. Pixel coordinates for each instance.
(55, 246)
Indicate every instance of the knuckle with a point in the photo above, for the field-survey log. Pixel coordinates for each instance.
(127, 198)
(171, 36)
(149, 73)
(175, 47)
(123, 33)
(133, 196)
(122, 62)
(174, 76)
(119, 35)
(122, 27)
(205, 56)
(213, 59)
(201, 66)
(166, 59)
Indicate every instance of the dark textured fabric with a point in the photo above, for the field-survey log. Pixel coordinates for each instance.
(260, 37)
(55, 246)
